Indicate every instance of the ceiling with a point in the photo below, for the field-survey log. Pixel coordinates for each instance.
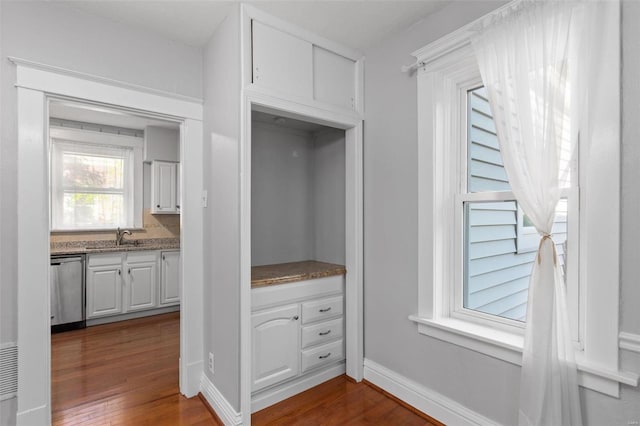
(356, 24)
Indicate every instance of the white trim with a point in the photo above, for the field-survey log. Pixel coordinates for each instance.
(423, 398)
(98, 79)
(34, 89)
(218, 402)
(133, 315)
(65, 83)
(629, 341)
(279, 393)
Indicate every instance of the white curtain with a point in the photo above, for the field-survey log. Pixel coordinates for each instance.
(525, 55)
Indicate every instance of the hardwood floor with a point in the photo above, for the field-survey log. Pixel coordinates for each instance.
(122, 373)
(340, 401)
(126, 373)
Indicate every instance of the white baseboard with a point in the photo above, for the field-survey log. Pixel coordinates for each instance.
(34, 416)
(222, 407)
(272, 396)
(190, 382)
(132, 315)
(424, 399)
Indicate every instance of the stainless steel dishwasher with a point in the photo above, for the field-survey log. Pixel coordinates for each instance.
(67, 292)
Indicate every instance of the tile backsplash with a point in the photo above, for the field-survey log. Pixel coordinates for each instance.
(155, 226)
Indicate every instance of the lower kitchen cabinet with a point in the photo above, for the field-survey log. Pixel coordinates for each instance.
(275, 345)
(170, 277)
(125, 282)
(141, 281)
(104, 290)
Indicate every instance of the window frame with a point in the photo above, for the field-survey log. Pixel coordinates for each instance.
(88, 137)
(443, 66)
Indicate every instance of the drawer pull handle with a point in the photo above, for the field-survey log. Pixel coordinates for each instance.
(325, 356)
(324, 333)
(325, 309)
(294, 318)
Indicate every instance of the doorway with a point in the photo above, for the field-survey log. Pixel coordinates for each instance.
(115, 253)
(37, 84)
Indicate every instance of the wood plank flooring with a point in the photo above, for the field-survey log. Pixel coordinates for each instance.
(123, 373)
(126, 373)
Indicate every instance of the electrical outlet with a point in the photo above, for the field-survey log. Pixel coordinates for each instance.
(211, 363)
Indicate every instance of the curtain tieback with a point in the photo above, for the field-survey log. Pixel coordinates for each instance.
(553, 244)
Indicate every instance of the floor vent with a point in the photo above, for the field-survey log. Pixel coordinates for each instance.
(8, 371)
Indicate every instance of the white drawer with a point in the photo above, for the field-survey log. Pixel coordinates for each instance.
(322, 355)
(104, 259)
(322, 332)
(318, 310)
(142, 256)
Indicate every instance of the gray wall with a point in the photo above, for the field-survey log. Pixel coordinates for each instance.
(329, 195)
(221, 275)
(282, 214)
(297, 195)
(485, 385)
(55, 34)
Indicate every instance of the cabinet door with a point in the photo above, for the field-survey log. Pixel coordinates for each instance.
(141, 286)
(104, 290)
(164, 187)
(170, 278)
(276, 347)
(334, 78)
(281, 61)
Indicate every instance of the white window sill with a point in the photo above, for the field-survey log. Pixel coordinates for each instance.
(508, 347)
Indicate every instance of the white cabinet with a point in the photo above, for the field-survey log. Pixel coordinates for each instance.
(170, 277)
(165, 195)
(124, 282)
(141, 281)
(297, 328)
(334, 78)
(285, 61)
(275, 346)
(104, 287)
(281, 61)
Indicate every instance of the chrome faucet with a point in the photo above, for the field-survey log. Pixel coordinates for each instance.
(120, 235)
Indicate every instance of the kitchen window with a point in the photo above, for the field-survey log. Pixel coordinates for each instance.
(96, 180)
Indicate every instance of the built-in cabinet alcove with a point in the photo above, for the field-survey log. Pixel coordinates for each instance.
(298, 178)
(297, 191)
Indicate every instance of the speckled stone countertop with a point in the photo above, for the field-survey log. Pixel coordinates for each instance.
(108, 246)
(295, 271)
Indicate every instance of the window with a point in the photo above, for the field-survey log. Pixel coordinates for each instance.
(499, 244)
(93, 180)
(461, 192)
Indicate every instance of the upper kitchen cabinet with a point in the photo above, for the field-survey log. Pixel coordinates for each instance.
(165, 187)
(161, 143)
(294, 64)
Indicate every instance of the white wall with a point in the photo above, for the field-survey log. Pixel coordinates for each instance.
(483, 384)
(55, 34)
(221, 178)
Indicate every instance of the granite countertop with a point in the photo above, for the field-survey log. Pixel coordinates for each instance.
(109, 246)
(295, 271)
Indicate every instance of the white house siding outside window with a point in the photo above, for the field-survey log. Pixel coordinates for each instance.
(499, 243)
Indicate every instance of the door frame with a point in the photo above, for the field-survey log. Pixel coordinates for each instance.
(36, 84)
(352, 123)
